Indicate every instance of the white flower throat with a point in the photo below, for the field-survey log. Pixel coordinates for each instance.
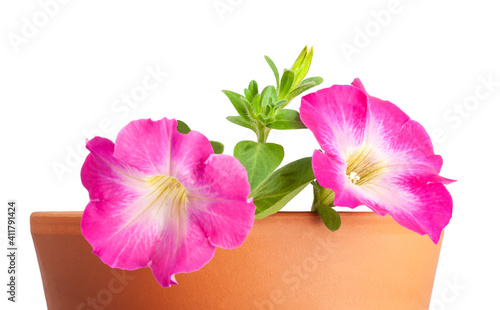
(364, 164)
(167, 197)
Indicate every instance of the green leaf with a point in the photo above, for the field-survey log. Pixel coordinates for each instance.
(287, 119)
(315, 79)
(260, 159)
(217, 146)
(261, 118)
(280, 103)
(330, 217)
(286, 83)
(275, 71)
(268, 96)
(182, 127)
(281, 186)
(267, 112)
(248, 94)
(238, 120)
(256, 104)
(238, 102)
(303, 86)
(253, 88)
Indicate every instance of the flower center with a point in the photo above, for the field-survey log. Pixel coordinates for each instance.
(364, 164)
(167, 197)
(354, 177)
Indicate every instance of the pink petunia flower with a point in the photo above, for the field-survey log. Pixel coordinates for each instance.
(162, 199)
(375, 155)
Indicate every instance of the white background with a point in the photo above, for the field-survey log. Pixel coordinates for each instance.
(66, 78)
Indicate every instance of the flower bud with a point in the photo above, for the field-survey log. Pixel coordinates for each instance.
(301, 65)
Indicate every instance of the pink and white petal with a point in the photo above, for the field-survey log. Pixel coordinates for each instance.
(330, 171)
(109, 221)
(353, 196)
(423, 173)
(120, 234)
(422, 207)
(146, 144)
(440, 179)
(390, 128)
(357, 83)
(157, 148)
(412, 145)
(351, 199)
(107, 178)
(189, 151)
(385, 121)
(183, 249)
(336, 116)
(218, 204)
(429, 213)
(425, 208)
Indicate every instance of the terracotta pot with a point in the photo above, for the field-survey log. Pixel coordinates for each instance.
(288, 261)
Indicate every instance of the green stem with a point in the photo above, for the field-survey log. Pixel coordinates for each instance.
(262, 133)
(322, 196)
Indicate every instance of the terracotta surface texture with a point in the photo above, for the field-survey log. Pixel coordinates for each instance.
(288, 261)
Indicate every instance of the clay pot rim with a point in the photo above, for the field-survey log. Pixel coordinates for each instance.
(68, 222)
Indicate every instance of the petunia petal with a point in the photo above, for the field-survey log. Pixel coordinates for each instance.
(125, 239)
(384, 119)
(183, 249)
(330, 170)
(218, 202)
(427, 214)
(413, 145)
(422, 207)
(115, 190)
(389, 128)
(157, 148)
(336, 116)
(357, 83)
(104, 176)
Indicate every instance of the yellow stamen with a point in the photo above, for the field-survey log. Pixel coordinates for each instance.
(167, 197)
(364, 164)
(354, 177)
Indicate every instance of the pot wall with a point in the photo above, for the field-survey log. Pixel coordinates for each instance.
(288, 261)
